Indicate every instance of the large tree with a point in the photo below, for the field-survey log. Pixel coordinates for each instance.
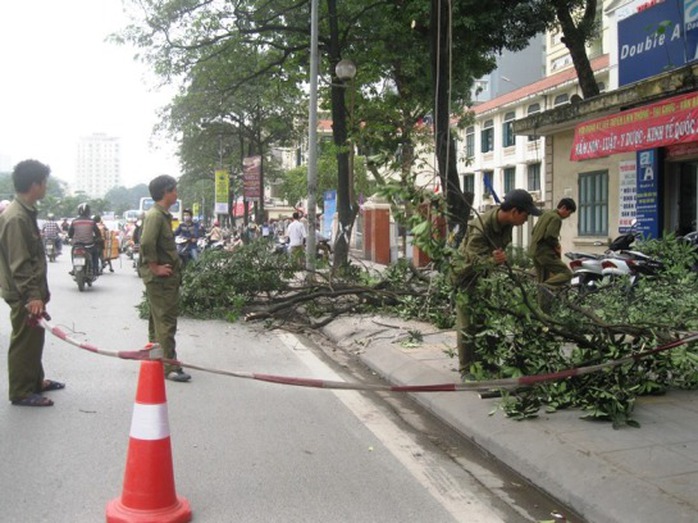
(391, 41)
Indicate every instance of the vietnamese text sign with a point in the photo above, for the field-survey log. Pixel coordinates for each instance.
(670, 122)
(627, 191)
(647, 203)
(222, 187)
(251, 173)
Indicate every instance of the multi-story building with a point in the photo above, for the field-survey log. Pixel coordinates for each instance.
(630, 155)
(493, 160)
(98, 165)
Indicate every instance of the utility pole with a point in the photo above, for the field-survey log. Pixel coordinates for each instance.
(312, 140)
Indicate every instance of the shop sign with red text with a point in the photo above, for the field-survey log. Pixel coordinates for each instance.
(670, 122)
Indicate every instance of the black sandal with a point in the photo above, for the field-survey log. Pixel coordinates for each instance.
(33, 400)
(50, 385)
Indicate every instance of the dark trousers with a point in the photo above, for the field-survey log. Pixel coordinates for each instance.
(24, 367)
(163, 301)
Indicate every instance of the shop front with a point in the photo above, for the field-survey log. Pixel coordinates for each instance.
(654, 149)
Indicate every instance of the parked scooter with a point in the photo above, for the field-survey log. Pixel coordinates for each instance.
(83, 269)
(618, 260)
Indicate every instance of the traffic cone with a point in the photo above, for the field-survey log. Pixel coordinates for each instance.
(148, 494)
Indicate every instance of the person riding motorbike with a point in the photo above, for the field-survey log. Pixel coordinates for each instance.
(84, 230)
(51, 231)
(189, 229)
(216, 233)
(104, 238)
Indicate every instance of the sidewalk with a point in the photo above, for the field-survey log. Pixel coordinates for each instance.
(648, 474)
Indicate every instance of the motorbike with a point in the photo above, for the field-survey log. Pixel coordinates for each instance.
(589, 269)
(281, 245)
(184, 248)
(50, 249)
(83, 272)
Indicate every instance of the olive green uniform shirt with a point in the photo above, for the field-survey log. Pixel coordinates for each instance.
(485, 234)
(545, 237)
(22, 259)
(158, 243)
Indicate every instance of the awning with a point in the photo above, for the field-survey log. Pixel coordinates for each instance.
(672, 121)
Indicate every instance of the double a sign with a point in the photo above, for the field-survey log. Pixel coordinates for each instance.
(659, 37)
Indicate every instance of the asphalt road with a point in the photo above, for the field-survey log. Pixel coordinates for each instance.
(243, 450)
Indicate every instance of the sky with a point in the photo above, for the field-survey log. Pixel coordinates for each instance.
(60, 80)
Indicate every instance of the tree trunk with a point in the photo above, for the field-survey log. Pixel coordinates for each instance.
(457, 205)
(345, 208)
(575, 37)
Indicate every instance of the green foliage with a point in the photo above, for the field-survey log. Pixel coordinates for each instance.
(433, 305)
(221, 283)
(614, 323)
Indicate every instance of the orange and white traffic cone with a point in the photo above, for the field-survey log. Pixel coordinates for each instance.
(149, 490)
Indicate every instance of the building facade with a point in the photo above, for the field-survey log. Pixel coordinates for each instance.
(98, 165)
(630, 155)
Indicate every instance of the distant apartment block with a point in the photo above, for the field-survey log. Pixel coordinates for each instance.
(98, 165)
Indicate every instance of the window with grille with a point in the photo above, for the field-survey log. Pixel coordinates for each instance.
(509, 176)
(533, 109)
(533, 176)
(592, 207)
(508, 137)
(470, 142)
(487, 137)
(469, 183)
(488, 181)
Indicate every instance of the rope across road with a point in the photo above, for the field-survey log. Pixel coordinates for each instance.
(152, 351)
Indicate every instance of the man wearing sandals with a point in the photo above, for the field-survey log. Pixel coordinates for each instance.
(25, 286)
(161, 271)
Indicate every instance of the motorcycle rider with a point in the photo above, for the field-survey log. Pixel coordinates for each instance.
(51, 231)
(189, 229)
(84, 230)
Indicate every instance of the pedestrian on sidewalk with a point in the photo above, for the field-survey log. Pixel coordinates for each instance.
(482, 249)
(296, 239)
(24, 283)
(546, 251)
(161, 270)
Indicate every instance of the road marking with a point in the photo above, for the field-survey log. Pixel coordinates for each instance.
(457, 495)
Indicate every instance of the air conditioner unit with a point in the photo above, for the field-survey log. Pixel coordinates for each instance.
(536, 195)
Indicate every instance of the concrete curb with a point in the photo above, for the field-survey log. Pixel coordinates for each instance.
(551, 452)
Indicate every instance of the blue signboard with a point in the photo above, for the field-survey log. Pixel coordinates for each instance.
(690, 20)
(651, 41)
(647, 204)
(330, 207)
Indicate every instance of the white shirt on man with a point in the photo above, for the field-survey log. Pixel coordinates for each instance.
(296, 233)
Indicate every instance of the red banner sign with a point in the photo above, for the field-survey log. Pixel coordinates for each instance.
(251, 173)
(670, 122)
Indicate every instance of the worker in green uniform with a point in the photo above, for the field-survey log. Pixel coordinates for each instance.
(25, 286)
(483, 248)
(161, 270)
(546, 251)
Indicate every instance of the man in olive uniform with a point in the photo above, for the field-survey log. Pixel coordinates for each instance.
(483, 248)
(25, 286)
(546, 251)
(161, 270)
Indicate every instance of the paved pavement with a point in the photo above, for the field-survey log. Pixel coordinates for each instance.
(635, 475)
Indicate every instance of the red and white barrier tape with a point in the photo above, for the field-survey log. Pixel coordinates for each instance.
(154, 352)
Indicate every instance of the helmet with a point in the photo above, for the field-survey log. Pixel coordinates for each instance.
(51, 216)
(97, 218)
(216, 223)
(3, 205)
(83, 209)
